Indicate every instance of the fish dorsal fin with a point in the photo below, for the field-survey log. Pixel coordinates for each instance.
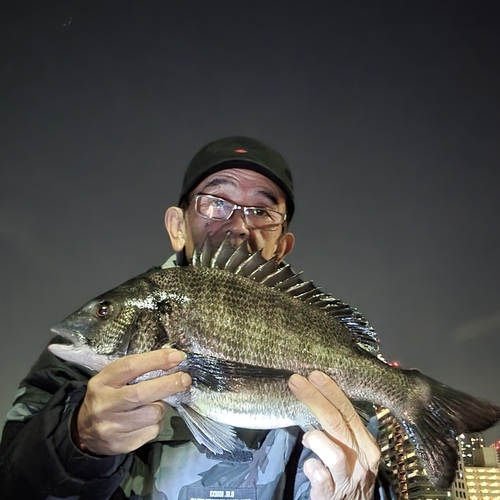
(283, 278)
(196, 258)
(263, 270)
(280, 275)
(251, 264)
(221, 255)
(239, 256)
(210, 256)
(235, 260)
(206, 254)
(353, 320)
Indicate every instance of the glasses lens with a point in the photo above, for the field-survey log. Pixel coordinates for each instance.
(213, 208)
(262, 217)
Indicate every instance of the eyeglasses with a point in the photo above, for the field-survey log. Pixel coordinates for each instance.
(211, 207)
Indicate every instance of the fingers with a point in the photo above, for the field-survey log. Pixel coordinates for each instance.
(120, 432)
(354, 426)
(321, 481)
(326, 484)
(133, 440)
(348, 453)
(132, 396)
(326, 407)
(126, 369)
(126, 397)
(335, 412)
(117, 418)
(331, 477)
(335, 461)
(127, 421)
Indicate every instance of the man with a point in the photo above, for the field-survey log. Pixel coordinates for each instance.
(70, 437)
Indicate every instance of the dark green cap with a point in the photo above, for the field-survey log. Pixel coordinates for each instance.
(240, 152)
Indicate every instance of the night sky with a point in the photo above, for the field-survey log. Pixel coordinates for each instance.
(388, 113)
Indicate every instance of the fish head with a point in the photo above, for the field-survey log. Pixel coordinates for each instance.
(126, 320)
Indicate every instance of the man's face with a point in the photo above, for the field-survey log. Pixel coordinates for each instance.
(245, 188)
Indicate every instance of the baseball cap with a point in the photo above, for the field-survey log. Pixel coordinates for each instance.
(239, 152)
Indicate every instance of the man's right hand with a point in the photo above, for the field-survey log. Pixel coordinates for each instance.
(117, 418)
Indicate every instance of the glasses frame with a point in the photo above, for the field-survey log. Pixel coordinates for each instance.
(243, 209)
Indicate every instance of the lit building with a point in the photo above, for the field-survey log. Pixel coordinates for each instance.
(483, 483)
(496, 447)
(477, 477)
(459, 486)
(482, 475)
(409, 479)
(468, 444)
(485, 457)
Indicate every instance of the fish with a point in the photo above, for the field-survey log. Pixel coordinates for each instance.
(246, 325)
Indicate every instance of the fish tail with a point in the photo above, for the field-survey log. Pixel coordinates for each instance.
(435, 426)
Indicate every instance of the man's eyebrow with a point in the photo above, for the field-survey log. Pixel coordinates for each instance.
(219, 181)
(223, 181)
(270, 196)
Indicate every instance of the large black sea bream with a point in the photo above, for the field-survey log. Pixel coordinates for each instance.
(246, 325)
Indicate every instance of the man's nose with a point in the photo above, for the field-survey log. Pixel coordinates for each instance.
(236, 224)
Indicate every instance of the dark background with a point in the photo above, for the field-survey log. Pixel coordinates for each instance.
(388, 113)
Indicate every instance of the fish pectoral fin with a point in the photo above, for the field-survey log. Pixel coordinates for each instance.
(225, 375)
(218, 438)
(313, 426)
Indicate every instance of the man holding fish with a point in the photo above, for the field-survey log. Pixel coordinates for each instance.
(68, 436)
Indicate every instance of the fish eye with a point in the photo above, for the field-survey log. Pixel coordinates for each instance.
(104, 309)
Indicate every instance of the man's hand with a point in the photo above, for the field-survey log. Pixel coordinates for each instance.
(348, 452)
(117, 418)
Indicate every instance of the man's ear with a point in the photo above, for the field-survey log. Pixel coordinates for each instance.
(176, 227)
(284, 246)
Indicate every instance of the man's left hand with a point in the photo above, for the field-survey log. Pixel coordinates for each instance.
(348, 452)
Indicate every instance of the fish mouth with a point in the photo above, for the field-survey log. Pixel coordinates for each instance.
(77, 350)
(69, 334)
(81, 355)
